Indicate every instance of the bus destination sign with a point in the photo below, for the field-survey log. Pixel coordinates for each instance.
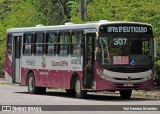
(136, 29)
(129, 29)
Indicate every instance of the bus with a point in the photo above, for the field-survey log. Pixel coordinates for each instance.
(80, 58)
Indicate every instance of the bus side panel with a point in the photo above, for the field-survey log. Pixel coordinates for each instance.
(24, 72)
(39, 77)
(101, 84)
(49, 78)
(51, 71)
(59, 79)
(8, 67)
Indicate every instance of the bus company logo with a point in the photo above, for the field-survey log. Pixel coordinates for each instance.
(43, 62)
(6, 108)
(21, 108)
(76, 61)
(61, 63)
(129, 78)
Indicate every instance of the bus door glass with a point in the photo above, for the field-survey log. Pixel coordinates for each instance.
(17, 40)
(88, 58)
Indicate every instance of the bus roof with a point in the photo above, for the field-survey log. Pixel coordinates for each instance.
(70, 26)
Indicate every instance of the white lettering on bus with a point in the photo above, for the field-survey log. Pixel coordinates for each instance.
(130, 29)
(61, 63)
(30, 62)
(76, 61)
(43, 73)
(120, 41)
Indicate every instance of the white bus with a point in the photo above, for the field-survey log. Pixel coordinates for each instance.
(99, 56)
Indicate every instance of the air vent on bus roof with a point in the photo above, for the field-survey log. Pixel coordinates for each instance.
(91, 22)
(69, 23)
(101, 21)
(39, 25)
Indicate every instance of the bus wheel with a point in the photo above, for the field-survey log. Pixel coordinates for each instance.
(126, 94)
(78, 90)
(32, 89)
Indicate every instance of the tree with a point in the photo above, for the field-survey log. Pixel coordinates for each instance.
(146, 11)
(16, 14)
(28, 13)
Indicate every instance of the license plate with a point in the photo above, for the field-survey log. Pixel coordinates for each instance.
(128, 85)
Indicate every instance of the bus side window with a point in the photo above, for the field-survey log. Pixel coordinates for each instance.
(76, 43)
(9, 44)
(64, 43)
(51, 40)
(39, 44)
(27, 43)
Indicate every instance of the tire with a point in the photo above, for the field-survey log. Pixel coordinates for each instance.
(126, 94)
(32, 89)
(78, 89)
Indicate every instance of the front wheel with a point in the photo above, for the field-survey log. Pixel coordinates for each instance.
(126, 94)
(32, 89)
(78, 90)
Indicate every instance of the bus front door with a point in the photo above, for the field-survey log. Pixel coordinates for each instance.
(88, 60)
(17, 40)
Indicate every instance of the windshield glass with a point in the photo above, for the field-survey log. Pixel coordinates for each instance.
(125, 51)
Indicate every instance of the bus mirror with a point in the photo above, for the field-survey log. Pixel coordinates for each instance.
(97, 35)
(155, 48)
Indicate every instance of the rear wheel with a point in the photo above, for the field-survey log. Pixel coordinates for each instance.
(78, 90)
(32, 89)
(126, 94)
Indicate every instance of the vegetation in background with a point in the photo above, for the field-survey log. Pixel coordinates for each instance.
(146, 11)
(27, 13)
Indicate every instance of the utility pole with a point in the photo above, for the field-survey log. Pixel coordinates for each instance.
(83, 9)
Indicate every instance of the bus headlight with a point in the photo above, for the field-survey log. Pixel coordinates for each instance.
(104, 76)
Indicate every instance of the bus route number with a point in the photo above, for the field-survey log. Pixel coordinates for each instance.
(120, 41)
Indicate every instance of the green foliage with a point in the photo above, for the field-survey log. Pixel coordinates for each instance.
(28, 13)
(74, 11)
(15, 14)
(146, 11)
(54, 11)
(157, 73)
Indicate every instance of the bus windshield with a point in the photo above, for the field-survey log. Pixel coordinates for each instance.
(125, 50)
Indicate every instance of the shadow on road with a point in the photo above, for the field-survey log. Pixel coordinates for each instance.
(92, 96)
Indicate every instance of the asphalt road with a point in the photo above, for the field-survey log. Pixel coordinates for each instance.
(18, 95)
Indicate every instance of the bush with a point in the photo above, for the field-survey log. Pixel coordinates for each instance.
(157, 73)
